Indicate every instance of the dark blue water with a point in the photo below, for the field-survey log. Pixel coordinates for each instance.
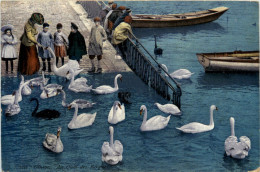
(235, 95)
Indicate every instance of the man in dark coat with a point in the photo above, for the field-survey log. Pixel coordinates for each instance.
(77, 46)
(121, 18)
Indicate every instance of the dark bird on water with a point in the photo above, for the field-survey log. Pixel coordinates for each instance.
(46, 113)
(124, 97)
(157, 50)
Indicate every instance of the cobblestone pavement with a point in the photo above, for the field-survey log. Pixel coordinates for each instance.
(56, 11)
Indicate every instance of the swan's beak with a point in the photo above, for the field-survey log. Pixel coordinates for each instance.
(47, 95)
(119, 106)
(141, 111)
(121, 79)
(58, 133)
(216, 108)
(31, 86)
(69, 107)
(13, 93)
(68, 72)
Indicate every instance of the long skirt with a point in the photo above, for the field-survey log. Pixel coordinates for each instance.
(28, 63)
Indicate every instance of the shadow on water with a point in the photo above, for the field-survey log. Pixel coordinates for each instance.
(231, 163)
(148, 32)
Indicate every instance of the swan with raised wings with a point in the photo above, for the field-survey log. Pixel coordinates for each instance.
(53, 142)
(117, 113)
(78, 85)
(14, 108)
(235, 149)
(26, 90)
(157, 122)
(112, 152)
(196, 127)
(178, 74)
(106, 89)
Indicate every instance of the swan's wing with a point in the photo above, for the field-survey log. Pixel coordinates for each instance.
(170, 108)
(106, 150)
(110, 115)
(120, 114)
(83, 103)
(81, 80)
(230, 144)
(118, 147)
(7, 99)
(85, 119)
(246, 143)
(194, 127)
(103, 89)
(157, 122)
(51, 139)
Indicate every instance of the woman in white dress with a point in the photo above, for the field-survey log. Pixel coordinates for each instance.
(8, 50)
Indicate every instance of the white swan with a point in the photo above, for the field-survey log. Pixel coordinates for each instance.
(106, 89)
(53, 142)
(13, 109)
(80, 102)
(82, 120)
(78, 85)
(157, 122)
(178, 74)
(9, 99)
(196, 127)
(117, 113)
(235, 149)
(112, 152)
(50, 90)
(169, 108)
(26, 90)
(63, 70)
(38, 80)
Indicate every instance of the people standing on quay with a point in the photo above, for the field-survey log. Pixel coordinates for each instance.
(46, 40)
(95, 48)
(105, 11)
(8, 49)
(106, 23)
(121, 33)
(28, 63)
(61, 44)
(77, 45)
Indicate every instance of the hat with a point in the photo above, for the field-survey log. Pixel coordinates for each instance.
(110, 2)
(121, 8)
(7, 27)
(128, 10)
(128, 19)
(74, 26)
(45, 25)
(59, 26)
(97, 19)
(114, 6)
(37, 18)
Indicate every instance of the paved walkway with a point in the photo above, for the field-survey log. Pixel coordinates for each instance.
(57, 11)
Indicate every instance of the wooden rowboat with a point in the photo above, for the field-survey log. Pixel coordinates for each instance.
(174, 20)
(237, 61)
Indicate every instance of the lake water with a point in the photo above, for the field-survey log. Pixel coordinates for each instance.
(235, 95)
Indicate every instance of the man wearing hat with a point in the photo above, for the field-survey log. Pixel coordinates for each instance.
(28, 63)
(105, 11)
(113, 17)
(77, 46)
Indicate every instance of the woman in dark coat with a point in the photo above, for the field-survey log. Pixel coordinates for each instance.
(77, 46)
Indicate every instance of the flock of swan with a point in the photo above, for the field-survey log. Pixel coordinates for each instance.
(112, 151)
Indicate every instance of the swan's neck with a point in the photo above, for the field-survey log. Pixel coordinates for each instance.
(111, 143)
(75, 113)
(16, 98)
(43, 78)
(63, 98)
(41, 86)
(155, 44)
(145, 116)
(115, 82)
(232, 124)
(72, 77)
(54, 63)
(211, 122)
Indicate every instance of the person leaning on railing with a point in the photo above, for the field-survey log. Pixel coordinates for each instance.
(121, 33)
(105, 11)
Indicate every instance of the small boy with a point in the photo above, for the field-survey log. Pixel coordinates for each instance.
(60, 44)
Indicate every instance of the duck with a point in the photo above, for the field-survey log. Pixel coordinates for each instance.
(157, 50)
(106, 89)
(82, 120)
(53, 142)
(124, 97)
(80, 102)
(46, 113)
(39, 80)
(50, 90)
(235, 149)
(117, 113)
(9, 99)
(26, 90)
(169, 108)
(112, 152)
(14, 108)
(63, 70)
(157, 122)
(196, 127)
(79, 85)
(178, 74)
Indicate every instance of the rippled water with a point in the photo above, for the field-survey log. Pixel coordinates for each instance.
(235, 95)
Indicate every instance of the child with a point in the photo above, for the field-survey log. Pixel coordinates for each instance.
(8, 50)
(46, 40)
(60, 44)
(96, 39)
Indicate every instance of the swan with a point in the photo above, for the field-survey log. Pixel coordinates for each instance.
(46, 113)
(78, 85)
(157, 51)
(13, 109)
(26, 90)
(112, 152)
(53, 142)
(38, 80)
(196, 127)
(50, 90)
(157, 122)
(178, 74)
(235, 149)
(106, 89)
(80, 102)
(9, 99)
(82, 120)
(117, 113)
(169, 108)
(63, 70)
